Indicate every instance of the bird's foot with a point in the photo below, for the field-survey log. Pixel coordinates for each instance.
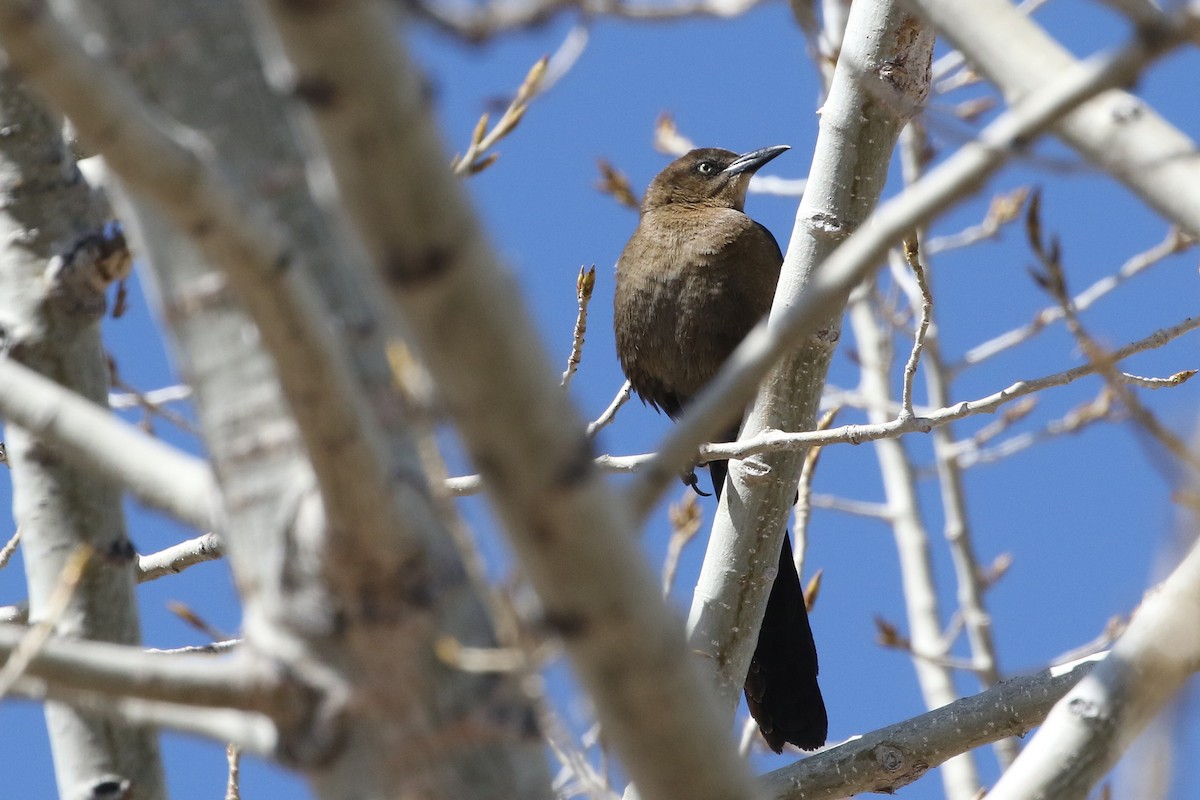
(689, 479)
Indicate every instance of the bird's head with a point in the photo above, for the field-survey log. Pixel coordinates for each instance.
(708, 176)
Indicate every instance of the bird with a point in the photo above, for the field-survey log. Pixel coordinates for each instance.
(694, 278)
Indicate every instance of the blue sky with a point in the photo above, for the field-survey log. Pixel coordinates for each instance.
(1087, 518)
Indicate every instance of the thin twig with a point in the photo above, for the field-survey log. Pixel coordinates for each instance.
(859, 508)
(606, 418)
(1055, 282)
(6, 553)
(912, 256)
(576, 769)
(804, 495)
(477, 23)
(156, 397)
(177, 558)
(233, 755)
(1008, 417)
(685, 519)
(1003, 209)
(969, 453)
(584, 285)
(477, 158)
(212, 648)
(1113, 630)
(462, 485)
(858, 434)
(151, 407)
(1175, 242)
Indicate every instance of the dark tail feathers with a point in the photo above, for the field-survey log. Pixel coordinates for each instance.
(781, 687)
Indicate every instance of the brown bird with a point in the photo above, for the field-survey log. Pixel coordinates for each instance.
(692, 281)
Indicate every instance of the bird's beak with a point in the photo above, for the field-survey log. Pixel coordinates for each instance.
(750, 162)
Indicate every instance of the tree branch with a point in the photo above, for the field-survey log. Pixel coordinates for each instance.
(129, 671)
(960, 775)
(895, 756)
(881, 80)
(1116, 131)
(370, 112)
(347, 572)
(1091, 727)
(177, 558)
(157, 474)
(928, 420)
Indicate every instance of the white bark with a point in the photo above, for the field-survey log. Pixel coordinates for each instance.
(108, 447)
(347, 574)
(467, 319)
(959, 775)
(880, 81)
(889, 758)
(1095, 723)
(1116, 131)
(51, 325)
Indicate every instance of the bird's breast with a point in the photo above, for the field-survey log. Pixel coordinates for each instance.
(689, 288)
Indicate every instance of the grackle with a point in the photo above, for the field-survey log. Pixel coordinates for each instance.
(692, 281)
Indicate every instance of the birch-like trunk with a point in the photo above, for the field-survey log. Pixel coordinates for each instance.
(50, 317)
(346, 571)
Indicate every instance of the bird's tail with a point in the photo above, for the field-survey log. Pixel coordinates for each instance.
(781, 686)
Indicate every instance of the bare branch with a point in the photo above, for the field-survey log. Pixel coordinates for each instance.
(969, 453)
(805, 497)
(1003, 209)
(145, 400)
(156, 473)
(859, 508)
(1175, 242)
(35, 638)
(233, 754)
(960, 775)
(605, 418)
(129, 671)
(1117, 131)
(584, 285)
(253, 732)
(858, 434)
(573, 539)
(895, 756)
(1055, 282)
(477, 23)
(478, 158)
(9, 548)
(1091, 727)
(972, 610)
(212, 648)
(685, 519)
(912, 256)
(155, 397)
(177, 558)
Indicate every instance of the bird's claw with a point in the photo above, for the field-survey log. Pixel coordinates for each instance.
(689, 479)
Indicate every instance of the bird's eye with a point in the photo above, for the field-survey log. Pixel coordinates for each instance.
(707, 168)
